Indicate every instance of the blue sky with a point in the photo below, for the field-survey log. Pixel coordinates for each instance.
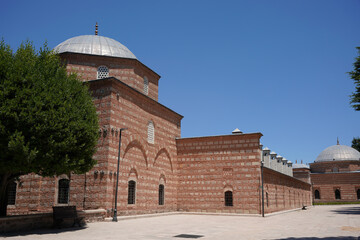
(275, 67)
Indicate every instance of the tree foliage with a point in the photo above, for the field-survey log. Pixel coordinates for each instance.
(48, 123)
(355, 97)
(355, 75)
(356, 144)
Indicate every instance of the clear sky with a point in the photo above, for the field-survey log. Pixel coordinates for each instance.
(275, 67)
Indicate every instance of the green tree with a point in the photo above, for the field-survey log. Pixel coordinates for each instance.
(356, 143)
(355, 75)
(48, 123)
(355, 97)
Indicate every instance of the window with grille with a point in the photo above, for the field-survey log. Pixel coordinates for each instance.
(102, 72)
(63, 194)
(337, 194)
(358, 193)
(11, 191)
(228, 198)
(317, 194)
(151, 137)
(161, 194)
(146, 86)
(131, 192)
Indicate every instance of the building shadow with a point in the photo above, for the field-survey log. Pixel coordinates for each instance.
(348, 210)
(42, 231)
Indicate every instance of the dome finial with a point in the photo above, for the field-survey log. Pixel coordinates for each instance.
(337, 141)
(96, 29)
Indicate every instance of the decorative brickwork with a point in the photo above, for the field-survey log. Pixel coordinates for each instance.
(285, 192)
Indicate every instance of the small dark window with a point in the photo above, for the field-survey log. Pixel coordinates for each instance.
(131, 192)
(317, 194)
(267, 199)
(358, 193)
(337, 194)
(11, 191)
(63, 194)
(228, 198)
(161, 194)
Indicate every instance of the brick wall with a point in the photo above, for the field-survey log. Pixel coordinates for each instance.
(302, 174)
(327, 183)
(341, 166)
(283, 192)
(146, 163)
(129, 71)
(209, 166)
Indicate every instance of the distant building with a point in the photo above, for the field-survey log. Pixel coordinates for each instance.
(159, 170)
(335, 175)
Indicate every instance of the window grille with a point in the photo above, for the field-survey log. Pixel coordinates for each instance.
(11, 191)
(161, 194)
(63, 194)
(317, 194)
(102, 72)
(146, 86)
(228, 198)
(337, 194)
(131, 192)
(151, 137)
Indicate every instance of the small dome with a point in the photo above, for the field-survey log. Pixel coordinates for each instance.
(338, 153)
(94, 45)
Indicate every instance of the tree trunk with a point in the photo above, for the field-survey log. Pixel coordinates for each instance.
(3, 194)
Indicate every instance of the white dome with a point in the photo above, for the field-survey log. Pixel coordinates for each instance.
(338, 153)
(94, 45)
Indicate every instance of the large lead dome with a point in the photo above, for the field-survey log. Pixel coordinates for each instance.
(94, 45)
(338, 153)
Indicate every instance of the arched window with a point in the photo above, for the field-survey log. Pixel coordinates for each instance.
(11, 191)
(131, 192)
(63, 193)
(151, 132)
(161, 194)
(102, 72)
(317, 194)
(337, 194)
(228, 198)
(358, 193)
(146, 86)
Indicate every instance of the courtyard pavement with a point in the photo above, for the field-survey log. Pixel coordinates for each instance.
(319, 222)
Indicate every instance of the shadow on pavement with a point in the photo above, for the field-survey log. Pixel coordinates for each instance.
(42, 231)
(325, 238)
(348, 210)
